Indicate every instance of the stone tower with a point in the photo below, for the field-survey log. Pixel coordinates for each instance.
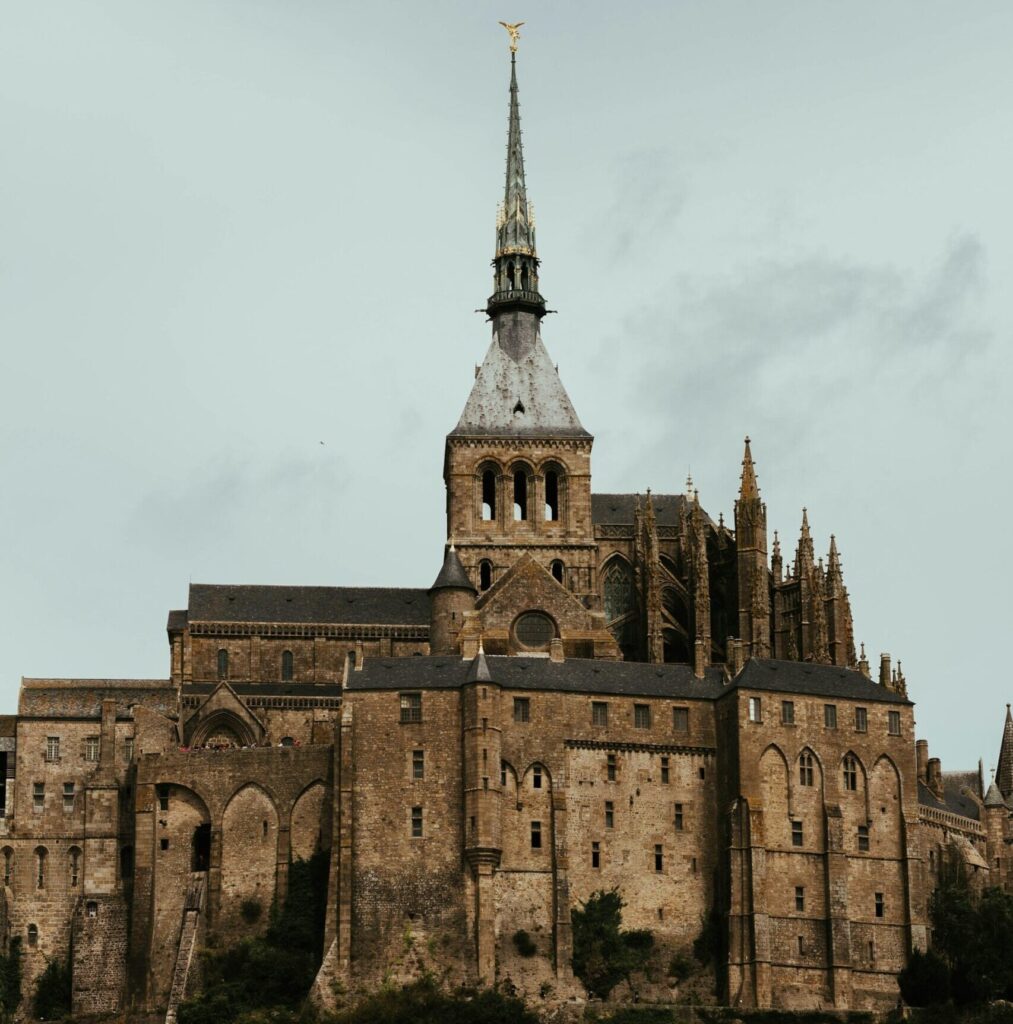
(518, 464)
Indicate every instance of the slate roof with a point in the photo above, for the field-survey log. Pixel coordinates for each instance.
(396, 606)
(517, 369)
(617, 509)
(82, 698)
(452, 576)
(953, 801)
(813, 679)
(575, 675)
(177, 620)
(956, 801)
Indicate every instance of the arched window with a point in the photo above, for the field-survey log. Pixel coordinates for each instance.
(91, 908)
(620, 605)
(287, 741)
(74, 863)
(33, 935)
(41, 855)
(484, 574)
(8, 865)
(557, 570)
(223, 663)
(551, 496)
(488, 496)
(850, 772)
(524, 278)
(520, 495)
(286, 666)
(805, 769)
(510, 276)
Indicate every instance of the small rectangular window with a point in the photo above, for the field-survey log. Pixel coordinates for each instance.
(411, 707)
(659, 859)
(163, 844)
(536, 835)
(702, 772)
(38, 796)
(893, 723)
(861, 720)
(91, 748)
(536, 777)
(52, 748)
(799, 898)
(610, 814)
(502, 773)
(610, 767)
(418, 764)
(863, 838)
(680, 719)
(679, 818)
(596, 855)
(163, 798)
(796, 833)
(830, 716)
(68, 797)
(642, 716)
(801, 945)
(416, 823)
(787, 712)
(754, 709)
(522, 709)
(880, 905)
(664, 771)
(599, 713)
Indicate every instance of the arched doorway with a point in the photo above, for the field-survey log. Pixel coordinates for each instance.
(201, 848)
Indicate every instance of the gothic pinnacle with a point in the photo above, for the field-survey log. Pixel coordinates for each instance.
(748, 489)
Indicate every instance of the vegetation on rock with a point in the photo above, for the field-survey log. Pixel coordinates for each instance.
(604, 954)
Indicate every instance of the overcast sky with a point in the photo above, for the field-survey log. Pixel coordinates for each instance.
(231, 230)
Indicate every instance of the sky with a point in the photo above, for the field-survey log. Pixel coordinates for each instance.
(242, 243)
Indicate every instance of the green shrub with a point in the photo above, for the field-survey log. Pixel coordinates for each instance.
(604, 954)
(926, 979)
(10, 979)
(52, 992)
(679, 967)
(250, 911)
(524, 943)
(424, 1003)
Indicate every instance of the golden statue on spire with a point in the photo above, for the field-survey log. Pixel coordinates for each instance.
(515, 33)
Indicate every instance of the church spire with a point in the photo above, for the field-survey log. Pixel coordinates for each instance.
(515, 284)
(1004, 769)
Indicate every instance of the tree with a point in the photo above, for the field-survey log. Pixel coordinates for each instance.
(53, 992)
(604, 954)
(926, 979)
(10, 980)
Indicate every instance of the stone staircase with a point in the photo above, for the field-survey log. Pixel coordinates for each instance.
(193, 905)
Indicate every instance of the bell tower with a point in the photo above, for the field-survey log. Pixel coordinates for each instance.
(518, 464)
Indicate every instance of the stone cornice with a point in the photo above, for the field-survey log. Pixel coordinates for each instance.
(649, 748)
(575, 444)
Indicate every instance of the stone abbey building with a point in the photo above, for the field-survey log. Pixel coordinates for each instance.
(598, 690)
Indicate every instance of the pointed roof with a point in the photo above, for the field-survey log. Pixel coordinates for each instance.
(834, 560)
(993, 798)
(516, 230)
(479, 670)
(1004, 769)
(452, 576)
(804, 556)
(517, 391)
(748, 489)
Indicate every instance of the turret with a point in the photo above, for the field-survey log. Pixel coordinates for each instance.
(450, 598)
(1004, 769)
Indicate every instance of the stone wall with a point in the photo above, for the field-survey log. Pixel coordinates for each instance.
(99, 944)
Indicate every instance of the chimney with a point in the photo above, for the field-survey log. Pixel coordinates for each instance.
(935, 779)
(884, 671)
(698, 659)
(922, 759)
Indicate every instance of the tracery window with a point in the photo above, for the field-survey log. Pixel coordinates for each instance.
(805, 769)
(223, 664)
(620, 605)
(850, 772)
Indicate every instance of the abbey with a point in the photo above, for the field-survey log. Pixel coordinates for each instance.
(597, 691)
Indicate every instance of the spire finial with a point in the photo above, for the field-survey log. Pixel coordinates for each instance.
(481, 649)
(749, 488)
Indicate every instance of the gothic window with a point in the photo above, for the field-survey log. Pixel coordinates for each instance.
(850, 773)
(286, 666)
(551, 496)
(488, 495)
(805, 769)
(484, 575)
(520, 495)
(620, 605)
(223, 663)
(557, 570)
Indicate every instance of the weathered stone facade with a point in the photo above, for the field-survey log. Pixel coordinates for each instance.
(598, 691)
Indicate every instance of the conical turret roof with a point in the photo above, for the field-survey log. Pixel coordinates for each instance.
(452, 576)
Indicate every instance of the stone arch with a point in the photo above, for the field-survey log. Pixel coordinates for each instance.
(488, 477)
(675, 623)
(522, 477)
(249, 858)
(775, 796)
(307, 830)
(553, 475)
(885, 789)
(223, 728)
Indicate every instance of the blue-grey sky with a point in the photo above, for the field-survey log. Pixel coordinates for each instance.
(233, 229)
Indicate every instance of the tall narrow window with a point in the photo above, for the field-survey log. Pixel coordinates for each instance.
(52, 748)
(68, 798)
(610, 767)
(665, 772)
(223, 663)
(488, 496)
(805, 769)
(8, 865)
(893, 722)
(128, 748)
(863, 839)
(41, 855)
(880, 905)
(74, 857)
(788, 712)
(551, 496)
(484, 575)
(861, 720)
(659, 859)
(416, 823)
(680, 820)
(536, 777)
(799, 898)
(610, 814)
(522, 709)
(536, 835)
(557, 570)
(596, 855)
(850, 773)
(754, 709)
(91, 748)
(163, 798)
(33, 935)
(830, 716)
(38, 796)
(520, 495)
(418, 764)
(287, 665)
